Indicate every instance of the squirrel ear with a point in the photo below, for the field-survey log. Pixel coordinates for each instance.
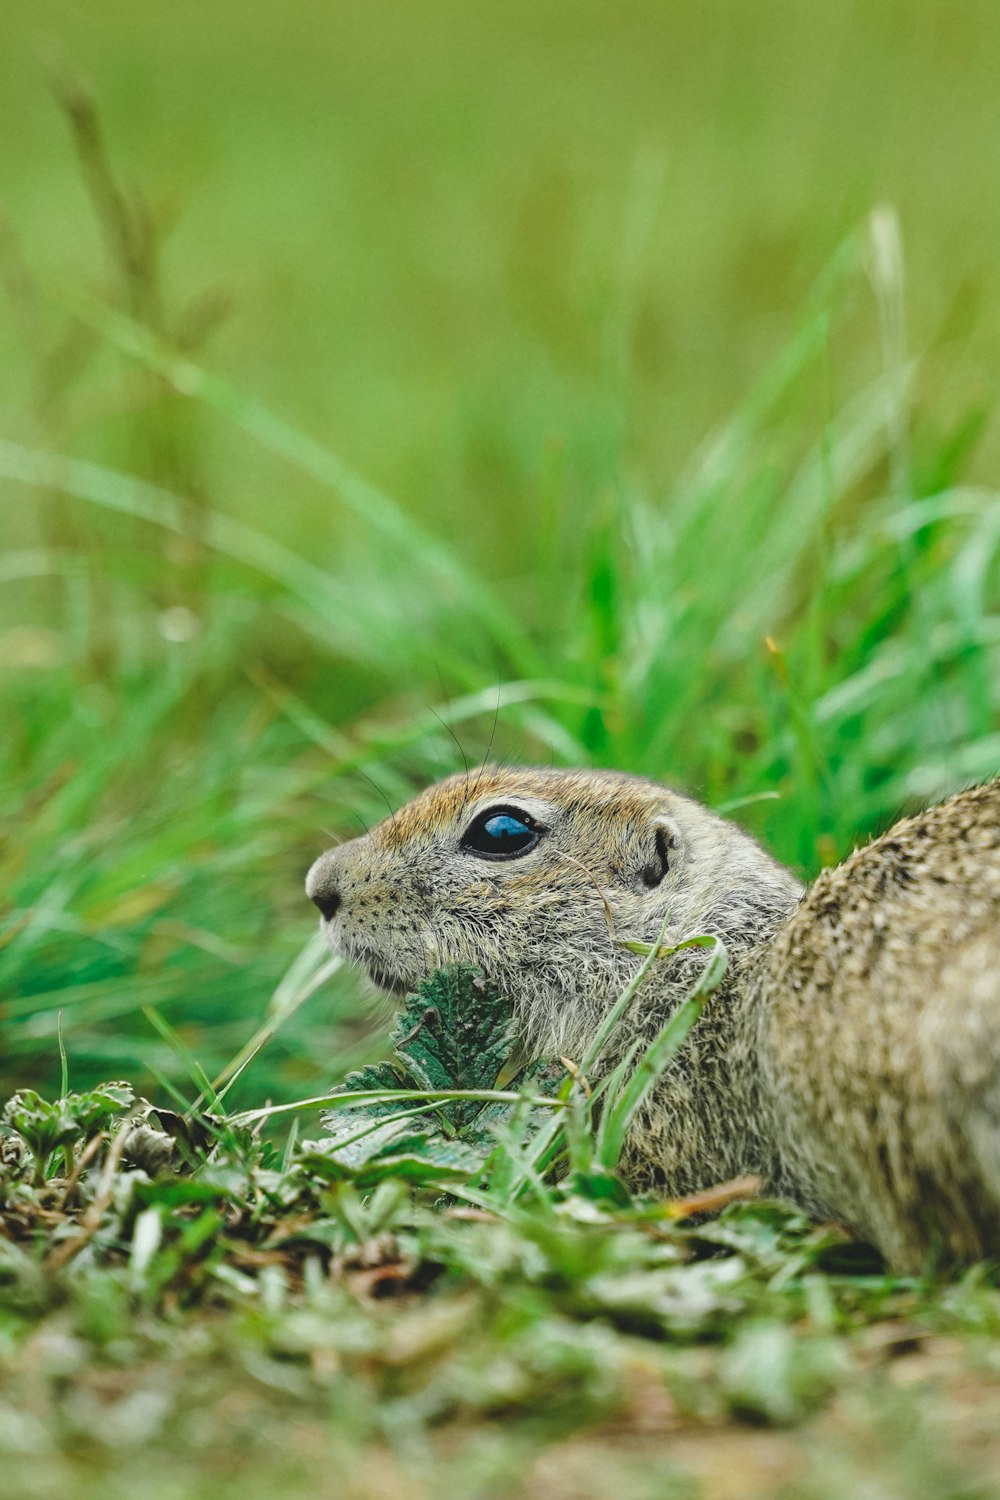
(665, 839)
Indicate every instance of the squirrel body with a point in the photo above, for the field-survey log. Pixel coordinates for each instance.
(851, 1057)
(879, 1010)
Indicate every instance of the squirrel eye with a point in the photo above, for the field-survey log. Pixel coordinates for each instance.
(501, 833)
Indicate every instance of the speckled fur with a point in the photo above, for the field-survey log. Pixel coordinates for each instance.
(850, 1058)
(879, 1037)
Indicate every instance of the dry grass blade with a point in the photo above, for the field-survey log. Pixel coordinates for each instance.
(712, 1199)
(61, 1254)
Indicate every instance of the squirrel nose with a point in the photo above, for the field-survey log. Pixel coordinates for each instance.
(328, 901)
(321, 886)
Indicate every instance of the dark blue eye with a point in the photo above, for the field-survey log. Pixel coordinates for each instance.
(501, 833)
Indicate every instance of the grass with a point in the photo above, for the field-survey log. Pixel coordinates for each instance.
(186, 772)
(340, 1307)
(404, 429)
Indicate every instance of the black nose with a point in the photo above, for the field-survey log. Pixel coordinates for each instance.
(328, 901)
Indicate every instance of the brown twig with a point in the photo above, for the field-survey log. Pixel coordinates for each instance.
(80, 1167)
(91, 1220)
(711, 1199)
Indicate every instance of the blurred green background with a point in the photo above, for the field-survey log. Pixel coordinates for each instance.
(611, 383)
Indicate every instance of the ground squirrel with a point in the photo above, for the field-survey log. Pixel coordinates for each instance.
(851, 1058)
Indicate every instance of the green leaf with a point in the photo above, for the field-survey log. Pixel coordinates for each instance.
(95, 1110)
(544, 1078)
(453, 1034)
(391, 1149)
(365, 1080)
(45, 1125)
(601, 1187)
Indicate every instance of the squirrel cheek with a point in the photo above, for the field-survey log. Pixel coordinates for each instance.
(436, 954)
(441, 948)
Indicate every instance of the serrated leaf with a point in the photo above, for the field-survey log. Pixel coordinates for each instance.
(46, 1125)
(546, 1077)
(454, 1034)
(392, 1149)
(366, 1080)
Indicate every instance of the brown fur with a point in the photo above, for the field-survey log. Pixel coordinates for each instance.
(852, 1056)
(880, 1036)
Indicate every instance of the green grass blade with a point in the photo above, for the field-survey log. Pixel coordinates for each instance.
(618, 1116)
(371, 504)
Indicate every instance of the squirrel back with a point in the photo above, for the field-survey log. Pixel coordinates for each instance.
(879, 1006)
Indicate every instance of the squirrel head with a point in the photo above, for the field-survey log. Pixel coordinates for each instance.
(536, 878)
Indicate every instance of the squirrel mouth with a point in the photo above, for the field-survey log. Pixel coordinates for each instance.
(382, 978)
(386, 982)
